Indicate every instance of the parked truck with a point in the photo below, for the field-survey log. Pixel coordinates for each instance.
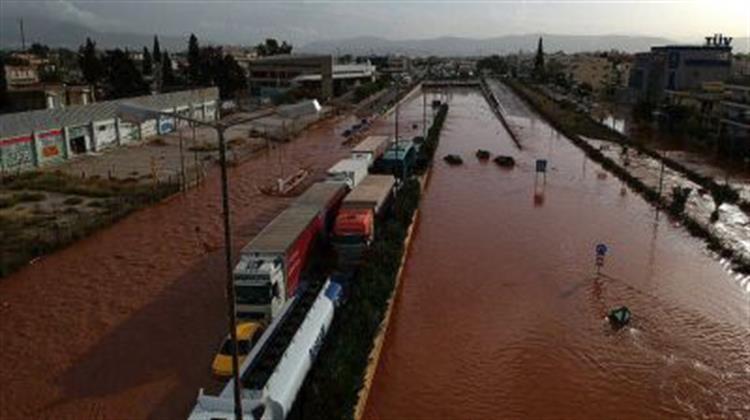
(326, 197)
(398, 159)
(351, 171)
(370, 149)
(354, 229)
(271, 265)
(275, 370)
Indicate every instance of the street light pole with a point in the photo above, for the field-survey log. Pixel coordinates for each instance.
(134, 112)
(231, 312)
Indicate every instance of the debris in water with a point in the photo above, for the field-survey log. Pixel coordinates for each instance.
(619, 317)
(483, 154)
(505, 161)
(453, 159)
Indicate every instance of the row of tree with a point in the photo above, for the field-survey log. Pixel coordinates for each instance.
(119, 75)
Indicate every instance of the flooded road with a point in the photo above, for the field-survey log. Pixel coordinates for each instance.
(124, 324)
(501, 315)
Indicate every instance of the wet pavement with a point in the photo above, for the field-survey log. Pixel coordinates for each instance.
(124, 324)
(501, 314)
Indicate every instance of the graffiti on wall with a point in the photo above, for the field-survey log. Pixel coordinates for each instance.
(166, 125)
(16, 153)
(50, 146)
(128, 132)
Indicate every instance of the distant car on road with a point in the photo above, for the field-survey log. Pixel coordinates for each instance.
(247, 334)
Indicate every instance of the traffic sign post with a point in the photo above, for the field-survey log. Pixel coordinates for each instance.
(541, 168)
(601, 252)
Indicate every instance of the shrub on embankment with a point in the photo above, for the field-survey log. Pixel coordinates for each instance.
(693, 226)
(332, 389)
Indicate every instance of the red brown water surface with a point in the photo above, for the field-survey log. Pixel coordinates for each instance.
(501, 315)
(123, 324)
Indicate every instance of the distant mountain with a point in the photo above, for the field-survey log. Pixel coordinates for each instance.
(70, 35)
(457, 46)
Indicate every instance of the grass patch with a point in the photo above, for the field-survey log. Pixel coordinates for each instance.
(72, 201)
(25, 237)
(20, 197)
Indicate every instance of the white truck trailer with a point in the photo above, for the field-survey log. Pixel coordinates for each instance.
(271, 378)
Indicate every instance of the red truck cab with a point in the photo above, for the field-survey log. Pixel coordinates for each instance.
(354, 226)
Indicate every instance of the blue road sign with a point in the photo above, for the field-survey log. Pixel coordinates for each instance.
(601, 250)
(541, 165)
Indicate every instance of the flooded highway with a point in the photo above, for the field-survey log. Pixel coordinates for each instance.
(124, 324)
(501, 313)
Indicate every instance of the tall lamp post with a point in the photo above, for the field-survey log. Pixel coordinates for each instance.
(138, 114)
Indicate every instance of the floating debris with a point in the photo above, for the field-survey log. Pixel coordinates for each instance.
(483, 154)
(505, 161)
(619, 317)
(453, 159)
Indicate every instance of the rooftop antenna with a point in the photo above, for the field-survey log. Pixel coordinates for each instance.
(23, 36)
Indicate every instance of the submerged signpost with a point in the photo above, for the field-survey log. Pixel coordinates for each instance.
(601, 252)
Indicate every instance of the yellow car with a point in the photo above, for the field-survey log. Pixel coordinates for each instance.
(247, 334)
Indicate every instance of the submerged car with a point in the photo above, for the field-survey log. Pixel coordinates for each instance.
(247, 334)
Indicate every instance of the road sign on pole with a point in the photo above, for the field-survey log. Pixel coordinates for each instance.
(601, 252)
(541, 165)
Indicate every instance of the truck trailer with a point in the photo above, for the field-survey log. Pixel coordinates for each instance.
(370, 149)
(275, 370)
(326, 197)
(351, 171)
(354, 229)
(271, 265)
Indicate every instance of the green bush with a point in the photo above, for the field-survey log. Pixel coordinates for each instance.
(25, 196)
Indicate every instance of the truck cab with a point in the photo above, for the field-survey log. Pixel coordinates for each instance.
(352, 234)
(260, 289)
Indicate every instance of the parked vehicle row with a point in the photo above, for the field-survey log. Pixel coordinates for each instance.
(277, 284)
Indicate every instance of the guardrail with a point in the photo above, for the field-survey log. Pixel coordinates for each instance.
(496, 108)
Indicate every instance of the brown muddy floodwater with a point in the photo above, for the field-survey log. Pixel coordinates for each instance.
(501, 315)
(124, 324)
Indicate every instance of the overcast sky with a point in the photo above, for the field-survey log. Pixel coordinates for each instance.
(303, 21)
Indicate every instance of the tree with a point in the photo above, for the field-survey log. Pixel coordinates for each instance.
(167, 73)
(494, 64)
(539, 61)
(196, 68)
(123, 78)
(156, 51)
(272, 47)
(230, 78)
(147, 66)
(91, 66)
(39, 49)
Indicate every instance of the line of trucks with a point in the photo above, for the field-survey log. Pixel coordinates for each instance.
(278, 282)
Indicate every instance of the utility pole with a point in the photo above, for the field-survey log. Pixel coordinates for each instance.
(136, 113)
(228, 267)
(398, 92)
(424, 114)
(661, 175)
(182, 162)
(23, 35)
